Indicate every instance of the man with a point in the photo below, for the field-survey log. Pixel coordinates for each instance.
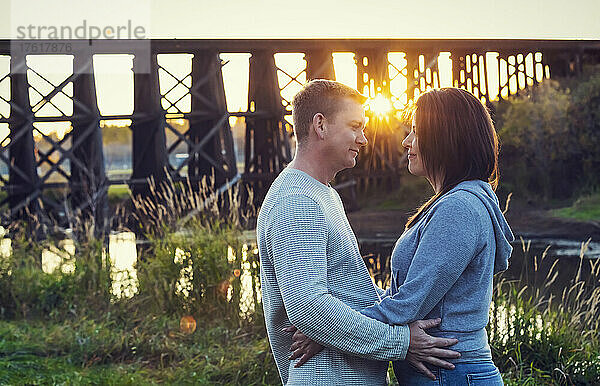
(312, 273)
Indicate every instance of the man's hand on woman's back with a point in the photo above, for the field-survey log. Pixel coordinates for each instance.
(426, 348)
(423, 347)
(303, 347)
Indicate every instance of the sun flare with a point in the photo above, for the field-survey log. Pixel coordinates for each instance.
(379, 105)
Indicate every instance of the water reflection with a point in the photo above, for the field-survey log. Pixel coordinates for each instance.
(503, 321)
(562, 247)
(249, 294)
(123, 256)
(5, 248)
(61, 256)
(183, 286)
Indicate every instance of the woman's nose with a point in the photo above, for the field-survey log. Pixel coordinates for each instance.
(406, 142)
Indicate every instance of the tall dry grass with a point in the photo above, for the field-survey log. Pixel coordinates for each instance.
(539, 337)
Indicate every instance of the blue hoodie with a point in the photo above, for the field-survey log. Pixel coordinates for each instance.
(442, 267)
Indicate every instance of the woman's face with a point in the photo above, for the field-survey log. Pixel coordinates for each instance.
(415, 162)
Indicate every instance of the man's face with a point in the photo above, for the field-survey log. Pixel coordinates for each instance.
(345, 135)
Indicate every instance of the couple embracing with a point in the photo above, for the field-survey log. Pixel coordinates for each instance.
(327, 323)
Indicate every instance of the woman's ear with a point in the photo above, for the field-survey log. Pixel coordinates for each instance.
(319, 125)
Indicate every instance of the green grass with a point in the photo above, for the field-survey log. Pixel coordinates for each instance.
(21, 369)
(118, 193)
(148, 351)
(115, 350)
(585, 208)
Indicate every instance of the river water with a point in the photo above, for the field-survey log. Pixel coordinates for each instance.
(531, 261)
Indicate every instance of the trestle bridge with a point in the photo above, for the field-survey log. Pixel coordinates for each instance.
(35, 164)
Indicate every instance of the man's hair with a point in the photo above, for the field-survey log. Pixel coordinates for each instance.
(319, 96)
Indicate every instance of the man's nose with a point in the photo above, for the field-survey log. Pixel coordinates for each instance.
(362, 139)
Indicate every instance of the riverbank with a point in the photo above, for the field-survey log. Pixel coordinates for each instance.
(384, 216)
(525, 222)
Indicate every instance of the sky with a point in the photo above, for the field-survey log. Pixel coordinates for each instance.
(536, 19)
(550, 19)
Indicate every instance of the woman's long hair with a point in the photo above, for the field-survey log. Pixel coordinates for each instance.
(457, 141)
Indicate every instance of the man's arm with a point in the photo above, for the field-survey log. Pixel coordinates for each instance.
(298, 240)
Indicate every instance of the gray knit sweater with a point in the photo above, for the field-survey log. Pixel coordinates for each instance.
(313, 277)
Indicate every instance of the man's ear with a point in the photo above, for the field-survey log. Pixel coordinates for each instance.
(319, 125)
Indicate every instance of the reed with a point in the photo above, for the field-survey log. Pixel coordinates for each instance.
(538, 337)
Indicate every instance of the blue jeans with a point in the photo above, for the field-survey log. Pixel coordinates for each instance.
(475, 373)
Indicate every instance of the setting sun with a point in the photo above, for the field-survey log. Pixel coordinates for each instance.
(379, 105)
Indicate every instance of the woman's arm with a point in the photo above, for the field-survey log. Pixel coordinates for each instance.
(448, 243)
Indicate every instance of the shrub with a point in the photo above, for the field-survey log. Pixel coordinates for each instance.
(194, 258)
(584, 117)
(536, 144)
(193, 271)
(550, 138)
(192, 262)
(76, 283)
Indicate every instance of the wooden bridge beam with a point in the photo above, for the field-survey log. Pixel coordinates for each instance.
(374, 64)
(267, 145)
(24, 189)
(148, 128)
(211, 142)
(376, 165)
(88, 182)
(319, 65)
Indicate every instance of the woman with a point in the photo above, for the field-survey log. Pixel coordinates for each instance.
(443, 264)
